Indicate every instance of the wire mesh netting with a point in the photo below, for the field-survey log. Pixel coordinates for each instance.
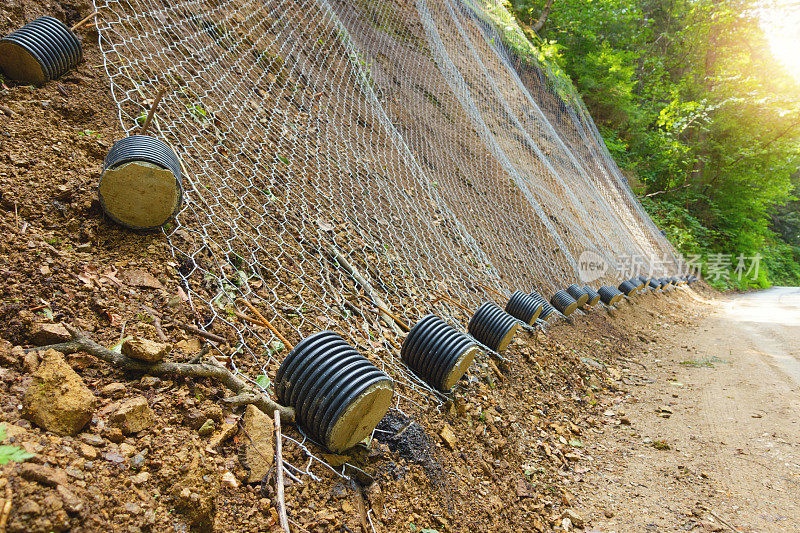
(422, 146)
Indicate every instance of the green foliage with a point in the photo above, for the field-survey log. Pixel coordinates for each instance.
(11, 453)
(689, 99)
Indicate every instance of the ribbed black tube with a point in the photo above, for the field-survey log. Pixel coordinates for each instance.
(565, 303)
(492, 326)
(547, 309)
(326, 381)
(435, 351)
(594, 297)
(523, 307)
(48, 42)
(577, 292)
(609, 295)
(627, 288)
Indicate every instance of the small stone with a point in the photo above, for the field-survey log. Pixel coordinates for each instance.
(145, 350)
(12, 431)
(113, 390)
(259, 448)
(190, 346)
(206, 429)
(449, 437)
(524, 489)
(57, 399)
(347, 507)
(91, 439)
(138, 459)
(214, 412)
(43, 474)
(43, 334)
(127, 450)
(113, 434)
(229, 479)
(133, 416)
(141, 477)
(149, 382)
(72, 503)
(608, 513)
(625, 421)
(87, 452)
(113, 457)
(74, 472)
(576, 519)
(7, 355)
(194, 418)
(30, 361)
(225, 432)
(566, 524)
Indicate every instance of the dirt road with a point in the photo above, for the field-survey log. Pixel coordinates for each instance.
(723, 393)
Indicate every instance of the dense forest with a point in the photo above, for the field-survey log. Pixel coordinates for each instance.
(700, 115)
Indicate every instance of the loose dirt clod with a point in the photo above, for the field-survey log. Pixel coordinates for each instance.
(57, 399)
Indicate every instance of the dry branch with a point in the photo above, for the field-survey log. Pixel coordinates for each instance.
(405, 327)
(205, 334)
(152, 111)
(6, 510)
(345, 264)
(265, 322)
(80, 343)
(84, 20)
(279, 462)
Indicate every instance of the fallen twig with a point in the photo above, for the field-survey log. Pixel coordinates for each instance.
(365, 285)
(83, 21)
(6, 506)
(204, 334)
(298, 526)
(482, 286)
(388, 313)
(156, 322)
(199, 357)
(715, 515)
(152, 111)
(265, 322)
(457, 304)
(362, 509)
(80, 343)
(279, 476)
(633, 361)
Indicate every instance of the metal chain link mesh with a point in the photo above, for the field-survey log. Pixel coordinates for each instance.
(424, 144)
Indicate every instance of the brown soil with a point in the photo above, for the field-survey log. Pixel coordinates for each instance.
(521, 443)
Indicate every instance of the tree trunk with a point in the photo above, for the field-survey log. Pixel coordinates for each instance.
(543, 17)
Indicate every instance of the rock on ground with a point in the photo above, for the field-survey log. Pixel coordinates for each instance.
(145, 350)
(259, 448)
(57, 399)
(133, 416)
(42, 334)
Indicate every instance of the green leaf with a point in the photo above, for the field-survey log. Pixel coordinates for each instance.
(263, 381)
(118, 346)
(276, 347)
(12, 453)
